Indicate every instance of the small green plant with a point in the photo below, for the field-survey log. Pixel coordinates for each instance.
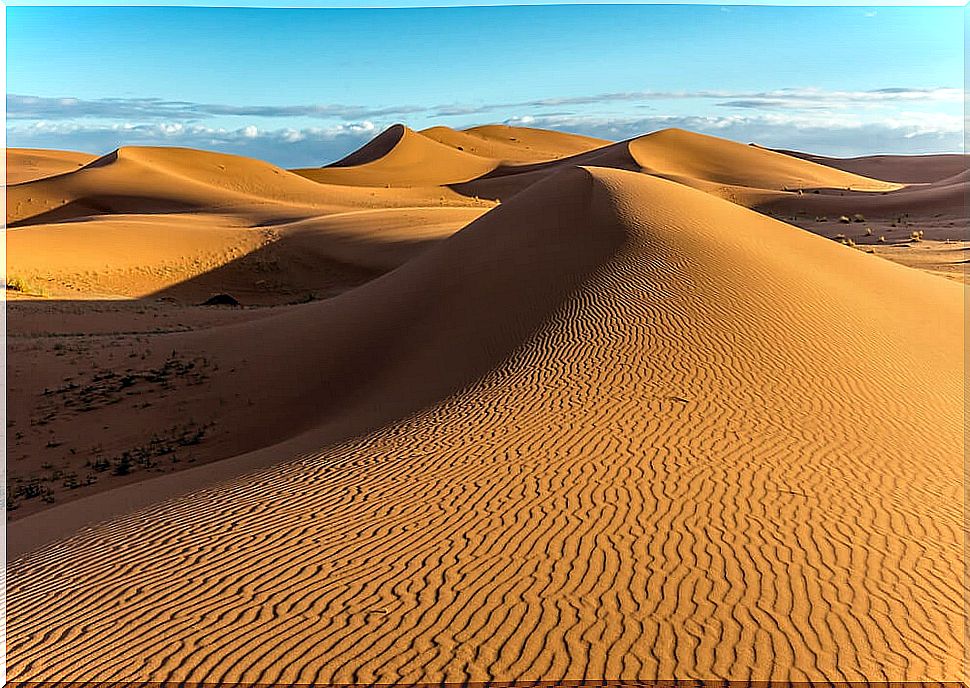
(22, 285)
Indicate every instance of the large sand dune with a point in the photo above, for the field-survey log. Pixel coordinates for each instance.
(616, 427)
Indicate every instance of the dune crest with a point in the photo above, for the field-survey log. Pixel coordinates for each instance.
(675, 153)
(400, 156)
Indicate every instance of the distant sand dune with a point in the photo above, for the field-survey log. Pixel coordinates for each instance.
(616, 427)
(28, 164)
(514, 144)
(679, 153)
(159, 180)
(908, 169)
(743, 174)
(143, 220)
(402, 157)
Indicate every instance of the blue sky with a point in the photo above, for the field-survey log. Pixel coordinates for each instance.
(305, 86)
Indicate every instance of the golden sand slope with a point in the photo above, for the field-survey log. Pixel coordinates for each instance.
(686, 441)
(514, 144)
(27, 164)
(191, 256)
(136, 179)
(142, 220)
(679, 154)
(402, 157)
(166, 180)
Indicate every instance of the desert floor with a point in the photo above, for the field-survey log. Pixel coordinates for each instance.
(495, 404)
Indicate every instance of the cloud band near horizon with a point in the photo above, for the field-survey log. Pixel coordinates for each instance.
(830, 122)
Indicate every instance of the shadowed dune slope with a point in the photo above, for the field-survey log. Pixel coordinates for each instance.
(944, 198)
(27, 164)
(907, 169)
(662, 436)
(400, 156)
(514, 144)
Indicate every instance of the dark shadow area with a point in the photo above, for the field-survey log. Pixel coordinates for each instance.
(904, 169)
(282, 272)
(88, 206)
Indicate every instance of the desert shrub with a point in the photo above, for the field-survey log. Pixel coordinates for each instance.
(122, 465)
(22, 285)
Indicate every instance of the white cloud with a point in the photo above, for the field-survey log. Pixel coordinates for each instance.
(896, 119)
(846, 135)
(39, 107)
(289, 147)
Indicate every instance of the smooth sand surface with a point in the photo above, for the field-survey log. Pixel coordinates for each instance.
(614, 427)
(28, 164)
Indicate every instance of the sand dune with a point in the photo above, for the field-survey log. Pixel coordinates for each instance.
(402, 157)
(615, 427)
(747, 175)
(190, 256)
(679, 154)
(143, 220)
(908, 169)
(148, 180)
(514, 144)
(28, 164)
(160, 180)
(945, 198)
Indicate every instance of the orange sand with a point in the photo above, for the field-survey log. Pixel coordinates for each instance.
(615, 426)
